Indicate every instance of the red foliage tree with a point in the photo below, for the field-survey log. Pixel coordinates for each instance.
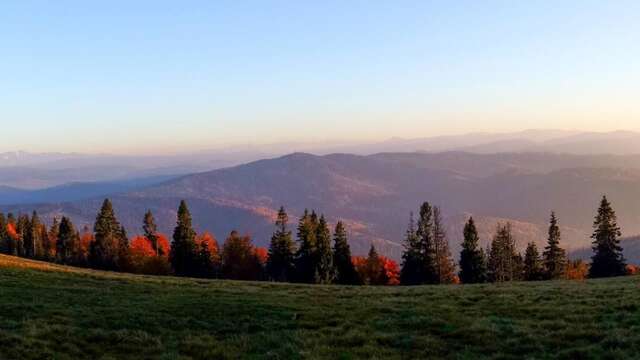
(144, 259)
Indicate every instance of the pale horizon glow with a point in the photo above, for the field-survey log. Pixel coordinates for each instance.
(163, 77)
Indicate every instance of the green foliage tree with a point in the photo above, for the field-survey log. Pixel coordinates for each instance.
(533, 266)
(412, 271)
(184, 254)
(607, 260)
(554, 257)
(473, 266)
(425, 233)
(505, 264)
(345, 270)
(306, 255)
(281, 260)
(107, 248)
(324, 270)
(68, 243)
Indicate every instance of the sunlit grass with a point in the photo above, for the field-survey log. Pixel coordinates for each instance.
(50, 311)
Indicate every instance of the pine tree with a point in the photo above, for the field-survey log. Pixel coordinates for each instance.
(306, 255)
(427, 244)
(554, 256)
(124, 260)
(107, 247)
(375, 272)
(504, 263)
(445, 268)
(22, 230)
(533, 269)
(205, 264)
(183, 256)
(412, 272)
(346, 271)
(607, 260)
(151, 232)
(68, 243)
(33, 238)
(52, 239)
(473, 267)
(325, 271)
(281, 260)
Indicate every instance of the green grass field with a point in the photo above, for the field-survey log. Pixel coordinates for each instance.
(55, 312)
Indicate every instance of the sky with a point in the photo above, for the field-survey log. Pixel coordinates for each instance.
(167, 76)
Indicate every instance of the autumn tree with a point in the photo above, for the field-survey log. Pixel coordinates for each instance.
(306, 254)
(68, 243)
(607, 259)
(281, 256)
(554, 257)
(533, 268)
(4, 241)
(444, 266)
(184, 253)
(50, 241)
(345, 270)
(324, 269)
(412, 272)
(107, 250)
(473, 267)
(12, 238)
(239, 259)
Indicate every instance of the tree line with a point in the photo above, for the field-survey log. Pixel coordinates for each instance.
(316, 256)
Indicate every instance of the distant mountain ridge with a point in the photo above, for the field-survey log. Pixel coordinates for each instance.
(374, 195)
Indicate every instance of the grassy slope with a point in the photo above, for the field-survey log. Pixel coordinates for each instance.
(49, 311)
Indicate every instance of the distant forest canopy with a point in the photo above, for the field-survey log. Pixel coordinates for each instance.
(317, 255)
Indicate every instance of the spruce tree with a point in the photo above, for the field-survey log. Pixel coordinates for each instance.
(445, 268)
(22, 230)
(281, 260)
(375, 272)
(504, 263)
(346, 271)
(305, 257)
(52, 239)
(533, 269)
(68, 243)
(325, 271)
(107, 247)
(151, 232)
(183, 255)
(554, 257)
(427, 244)
(33, 246)
(607, 260)
(412, 272)
(205, 264)
(473, 267)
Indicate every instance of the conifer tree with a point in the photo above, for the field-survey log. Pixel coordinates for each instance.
(427, 244)
(554, 257)
(306, 255)
(445, 268)
(375, 273)
(533, 269)
(33, 238)
(4, 242)
(412, 272)
(473, 267)
(151, 232)
(325, 271)
(346, 271)
(52, 239)
(281, 260)
(68, 243)
(107, 248)
(22, 231)
(504, 263)
(607, 260)
(205, 264)
(183, 255)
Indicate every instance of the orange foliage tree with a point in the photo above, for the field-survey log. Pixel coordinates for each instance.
(144, 259)
(576, 270)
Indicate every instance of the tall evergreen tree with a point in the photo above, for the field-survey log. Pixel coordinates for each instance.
(325, 271)
(554, 257)
(306, 255)
(427, 244)
(107, 248)
(412, 272)
(183, 255)
(151, 232)
(52, 239)
(473, 267)
(281, 260)
(505, 264)
(22, 230)
(33, 238)
(375, 273)
(445, 268)
(68, 243)
(206, 268)
(346, 271)
(607, 259)
(533, 268)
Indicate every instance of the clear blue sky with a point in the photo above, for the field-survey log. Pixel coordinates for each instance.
(146, 76)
